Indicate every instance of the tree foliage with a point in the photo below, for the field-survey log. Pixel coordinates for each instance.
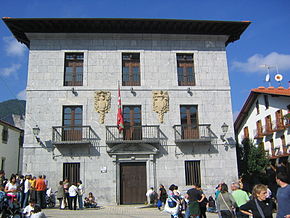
(252, 160)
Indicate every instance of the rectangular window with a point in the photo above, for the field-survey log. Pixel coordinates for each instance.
(257, 107)
(5, 134)
(71, 171)
(131, 69)
(72, 122)
(73, 69)
(192, 172)
(132, 122)
(246, 132)
(266, 101)
(185, 70)
(189, 122)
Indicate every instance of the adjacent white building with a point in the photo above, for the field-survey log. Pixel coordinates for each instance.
(175, 94)
(10, 148)
(265, 119)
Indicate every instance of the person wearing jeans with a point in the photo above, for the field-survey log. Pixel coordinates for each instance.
(81, 192)
(26, 191)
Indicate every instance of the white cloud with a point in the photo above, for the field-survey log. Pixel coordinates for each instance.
(13, 47)
(282, 61)
(10, 70)
(22, 95)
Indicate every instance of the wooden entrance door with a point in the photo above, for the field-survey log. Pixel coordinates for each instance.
(72, 122)
(133, 183)
(189, 122)
(132, 122)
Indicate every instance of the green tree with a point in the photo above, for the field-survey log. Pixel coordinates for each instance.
(252, 161)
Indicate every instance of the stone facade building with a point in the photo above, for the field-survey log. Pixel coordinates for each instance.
(175, 94)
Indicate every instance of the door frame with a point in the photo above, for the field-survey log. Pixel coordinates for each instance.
(149, 159)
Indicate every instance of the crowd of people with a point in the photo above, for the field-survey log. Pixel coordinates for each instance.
(29, 194)
(226, 203)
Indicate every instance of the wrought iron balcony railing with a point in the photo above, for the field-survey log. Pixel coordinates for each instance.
(133, 134)
(73, 135)
(191, 133)
(258, 133)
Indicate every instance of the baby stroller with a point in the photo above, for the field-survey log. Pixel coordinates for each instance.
(9, 208)
(50, 198)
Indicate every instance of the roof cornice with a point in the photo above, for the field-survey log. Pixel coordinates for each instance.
(20, 26)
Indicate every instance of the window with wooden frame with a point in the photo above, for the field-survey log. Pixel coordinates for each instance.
(73, 69)
(185, 70)
(131, 69)
(246, 132)
(72, 122)
(5, 134)
(192, 172)
(189, 121)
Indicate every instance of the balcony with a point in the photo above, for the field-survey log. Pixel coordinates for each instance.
(62, 135)
(267, 129)
(287, 121)
(199, 133)
(148, 134)
(258, 133)
(278, 125)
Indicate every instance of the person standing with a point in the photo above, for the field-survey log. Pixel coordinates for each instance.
(202, 204)
(259, 206)
(81, 191)
(66, 194)
(283, 196)
(194, 197)
(241, 197)
(73, 191)
(26, 191)
(226, 202)
(60, 194)
(40, 191)
(162, 196)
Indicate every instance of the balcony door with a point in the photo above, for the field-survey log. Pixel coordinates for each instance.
(189, 122)
(132, 122)
(72, 122)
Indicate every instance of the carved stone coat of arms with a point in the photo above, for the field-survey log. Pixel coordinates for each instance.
(160, 103)
(102, 104)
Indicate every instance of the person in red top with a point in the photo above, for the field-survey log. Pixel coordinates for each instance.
(40, 191)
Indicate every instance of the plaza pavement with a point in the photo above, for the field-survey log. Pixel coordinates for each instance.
(123, 211)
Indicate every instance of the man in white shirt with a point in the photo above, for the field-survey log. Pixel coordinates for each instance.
(26, 191)
(73, 192)
(81, 191)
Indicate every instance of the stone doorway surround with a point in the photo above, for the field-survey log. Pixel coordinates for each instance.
(128, 153)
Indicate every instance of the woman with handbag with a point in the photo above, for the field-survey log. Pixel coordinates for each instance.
(260, 206)
(226, 203)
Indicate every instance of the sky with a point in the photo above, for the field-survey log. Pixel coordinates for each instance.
(266, 40)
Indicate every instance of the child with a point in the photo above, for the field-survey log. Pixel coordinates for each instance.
(27, 210)
(2, 193)
(37, 213)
